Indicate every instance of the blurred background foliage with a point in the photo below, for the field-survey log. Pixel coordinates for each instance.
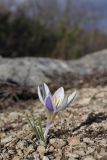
(46, 29)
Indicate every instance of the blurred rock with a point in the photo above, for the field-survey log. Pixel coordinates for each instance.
(89, 63)
(33, 71)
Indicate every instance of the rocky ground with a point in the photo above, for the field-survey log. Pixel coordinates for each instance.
(79, 134)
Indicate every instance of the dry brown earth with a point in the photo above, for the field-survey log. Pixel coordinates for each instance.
(80, 133)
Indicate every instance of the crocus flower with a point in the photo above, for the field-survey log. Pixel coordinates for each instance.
(55, 103)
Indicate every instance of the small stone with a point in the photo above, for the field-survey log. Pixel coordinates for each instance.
(74, 141)
(88, 140)
(51, 148)
(5, 156)
(90, 150)
(105, 125)
(11, 152)
(73, 155)
(58, 158)
(71, 158)
(12, 143)
(79, 152)
(41, 150)
(45, 158)
(103, 143)
(88, 158)
(52, 141)
(103, 152)
(57, 143)
(6, 140)
(58, 153)
(36, 156)
(83, 145)
(15, 115)
(19, 134)
(16, 158)
(84, 101)
(103, 157)
(20, 153)
(30, 149)
(21, 145)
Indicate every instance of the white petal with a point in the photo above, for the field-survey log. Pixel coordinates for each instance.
(40, 96)
(64, 104)
(67, 101)
(47, 91)
(58, 97)
(43, 92)
(71, 97)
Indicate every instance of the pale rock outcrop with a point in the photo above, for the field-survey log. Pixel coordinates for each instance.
(33, 71)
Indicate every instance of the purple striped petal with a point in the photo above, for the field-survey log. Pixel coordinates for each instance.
(48, 104)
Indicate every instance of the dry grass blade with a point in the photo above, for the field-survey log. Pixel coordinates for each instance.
(37, 129)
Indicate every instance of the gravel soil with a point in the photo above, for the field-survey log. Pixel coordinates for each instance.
(79, 133)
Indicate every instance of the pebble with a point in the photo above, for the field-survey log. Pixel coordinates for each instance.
(88, 140)
(41, 150)
(36, 156)
(58, 153)
(45, 158)
(103, 143)
(21, 144)
(5, 156)
(15, 115)
(84, 101)
(20, 153)
(80, 152)
(103, 157)
(71, 158)
(74, 141)
(88, 158)
(51, 148)
(29, 149)
(52, 141)
(6, 140)
(73, 155)
(103, 152)
(90, 150)
(16, 158)
(57, 143)
(11, 152)
(12, 143)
